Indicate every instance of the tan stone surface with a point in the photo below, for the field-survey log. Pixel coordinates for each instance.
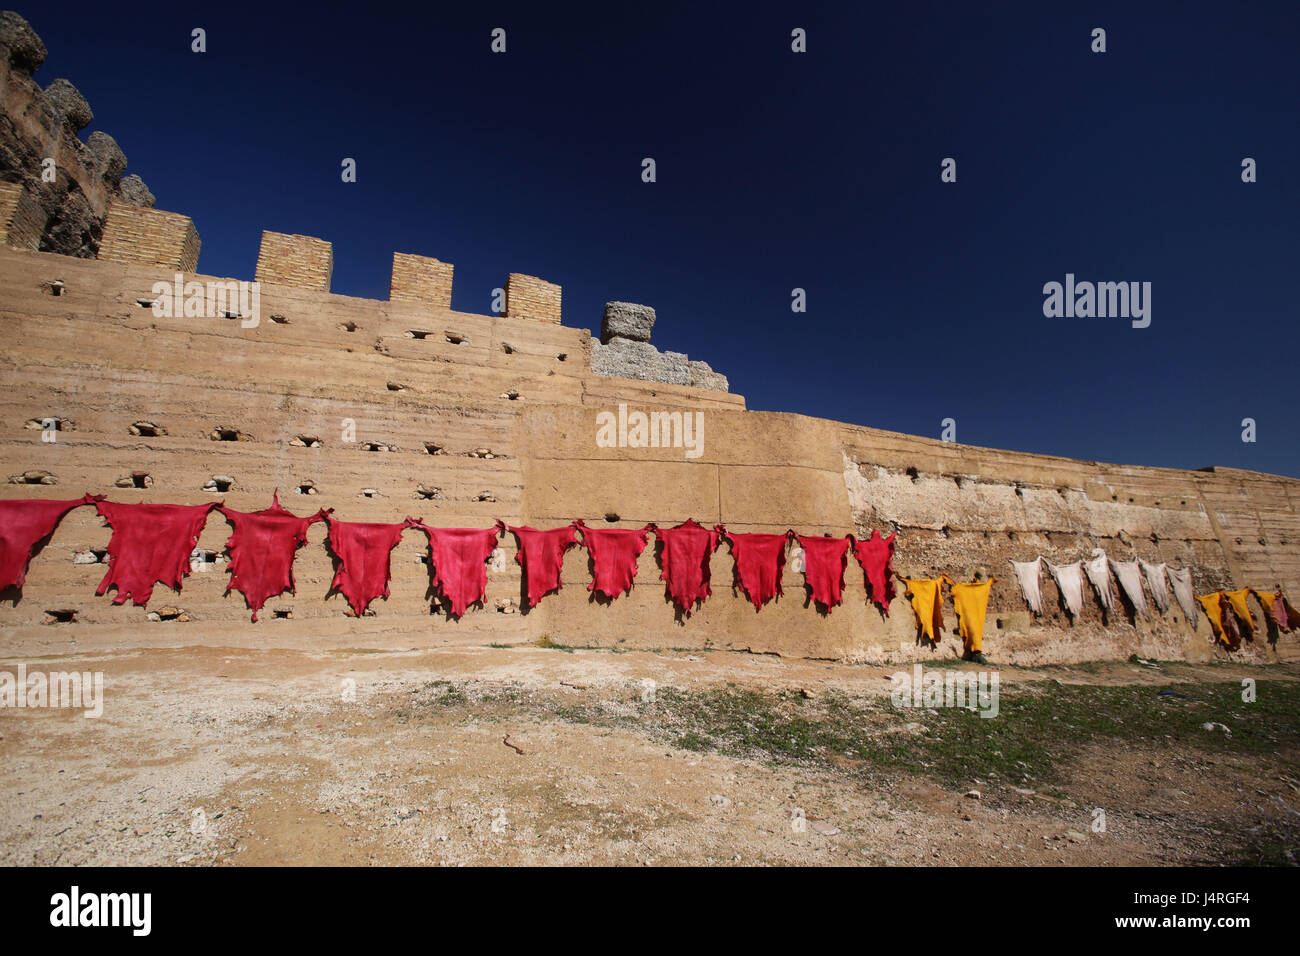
(510, 407)
(302, 262)
(150, 236)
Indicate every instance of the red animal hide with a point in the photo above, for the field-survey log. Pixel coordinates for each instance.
(823, 568)
(614, 553)
(1284, 614)
(262, 549)
(151, 544)
(24, 524)
(365, 553)
(876, 556)
(541, 555)
(458, 562)
(760, 559)
(686, 562)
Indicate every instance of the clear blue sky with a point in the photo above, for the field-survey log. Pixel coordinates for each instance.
(778, 170)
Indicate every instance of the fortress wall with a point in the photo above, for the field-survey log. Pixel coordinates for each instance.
(417, 375)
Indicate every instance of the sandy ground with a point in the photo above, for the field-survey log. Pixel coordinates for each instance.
(210, 756)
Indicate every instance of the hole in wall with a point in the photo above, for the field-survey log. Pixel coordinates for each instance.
(54, 287)
(563, 356)
(432, 448)
(507, 348)
(91, 556)
(396, 387)
(428, 492)
(455, 338)
(612, 516)
(227, 434)
(305, 441)
(485, 496)
(169, 613)
(147, 429)
(512, 395)
(348, 326)
(370, 493)
(137, 479)
(62, 615)
(945, 531)
(418, 333)
(481, 453)
(33, 478)
(1020, 490)
(282, 613)
(376, 446)
(144, 303)
(50, 421)
(201, 559)
(219, 484)
(913, 474)
(279, 320)
(305, 488)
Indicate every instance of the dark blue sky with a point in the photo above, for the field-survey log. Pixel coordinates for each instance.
(775, 171)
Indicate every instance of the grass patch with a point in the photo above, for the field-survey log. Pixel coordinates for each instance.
(1039, 729)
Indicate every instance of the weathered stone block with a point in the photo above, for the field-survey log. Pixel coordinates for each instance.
(627, 320)
(108, 158)
(626, 358)
(135, 192)
(69, 104)
(19, 44)
(702, 376)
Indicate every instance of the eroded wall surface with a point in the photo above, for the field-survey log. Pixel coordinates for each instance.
(461, 419)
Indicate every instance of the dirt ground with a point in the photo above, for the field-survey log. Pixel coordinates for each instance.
(539, 755)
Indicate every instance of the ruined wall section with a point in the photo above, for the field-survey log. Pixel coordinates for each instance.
(964, 510)
(624, 351)
(38, 124)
